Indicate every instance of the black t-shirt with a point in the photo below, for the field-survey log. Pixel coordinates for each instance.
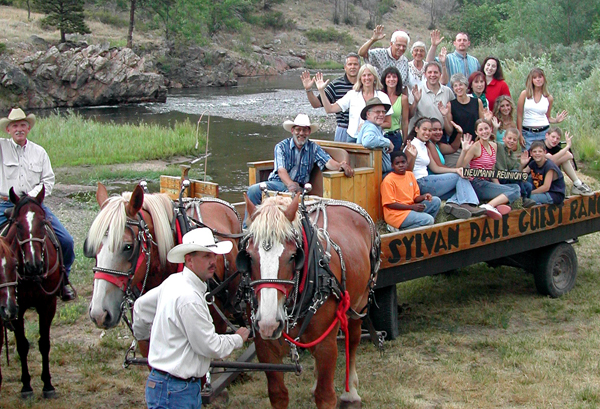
(557, 188)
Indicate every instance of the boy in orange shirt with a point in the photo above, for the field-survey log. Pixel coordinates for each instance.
(403, 204)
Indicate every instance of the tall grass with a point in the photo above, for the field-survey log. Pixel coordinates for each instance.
(74, 141)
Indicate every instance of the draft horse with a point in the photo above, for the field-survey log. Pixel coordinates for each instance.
(40, 273)
(318, 259)
(8, 289)
(130, 239)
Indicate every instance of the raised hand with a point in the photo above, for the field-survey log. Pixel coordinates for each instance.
(410, 149)
(456, 126)
(442, 55)
(416, 92)
(568, 139)
(378, 33)
(524, 158)
(444, 109)
(561, 116)
(436, 38)
(307, 81)
(466, 142)
(321, 84)
(487, 114)
(495, 122)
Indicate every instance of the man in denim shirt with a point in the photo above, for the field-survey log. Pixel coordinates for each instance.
(294, 160)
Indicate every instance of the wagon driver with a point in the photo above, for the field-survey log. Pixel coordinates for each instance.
(175, 329)
(26, 168)
(295, 158)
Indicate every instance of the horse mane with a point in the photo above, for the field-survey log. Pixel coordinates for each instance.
(112, 219)
(25, 199)
(5, 250)
(270, 224)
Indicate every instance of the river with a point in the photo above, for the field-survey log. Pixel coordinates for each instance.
(245, 122)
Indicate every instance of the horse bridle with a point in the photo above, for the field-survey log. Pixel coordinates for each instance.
(143, 241)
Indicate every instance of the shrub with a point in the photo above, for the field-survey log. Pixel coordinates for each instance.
(108, 18)
(330, 35)
(3, 48)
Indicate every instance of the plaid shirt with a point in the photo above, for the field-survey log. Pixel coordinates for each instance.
(286, 157)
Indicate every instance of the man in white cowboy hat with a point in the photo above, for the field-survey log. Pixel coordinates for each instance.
(26, 168)
(371, 134)
(295, 158)
(174, 326)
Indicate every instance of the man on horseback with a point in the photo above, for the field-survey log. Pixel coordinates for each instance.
(295, 158)
(183, 337)
(26, 168)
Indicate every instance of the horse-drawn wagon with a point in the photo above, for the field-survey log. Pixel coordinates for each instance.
(537, 239)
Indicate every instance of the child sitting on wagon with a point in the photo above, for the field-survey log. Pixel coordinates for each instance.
(562, 157)
(548, 180)
(404, 206)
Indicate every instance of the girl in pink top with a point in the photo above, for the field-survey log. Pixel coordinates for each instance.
(481, 154)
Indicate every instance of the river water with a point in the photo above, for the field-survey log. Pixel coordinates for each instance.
(245, 122)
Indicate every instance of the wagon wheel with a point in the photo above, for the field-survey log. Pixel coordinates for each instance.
(556, 271)
(384, 315)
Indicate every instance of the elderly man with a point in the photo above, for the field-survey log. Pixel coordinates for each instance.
(175, 329)
(26, 168)
(381, 58)
(458, 61)
(334, 91)
(371, 134)
(294, 160)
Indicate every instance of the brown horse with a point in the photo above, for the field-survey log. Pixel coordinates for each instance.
(130, 239)
(275, 254)
(8, 289)
(40, 273)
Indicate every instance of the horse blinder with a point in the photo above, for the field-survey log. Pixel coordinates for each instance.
(299, 259)
(87, 252)
(243, 261)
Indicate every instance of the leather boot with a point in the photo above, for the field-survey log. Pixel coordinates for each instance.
(66, 292)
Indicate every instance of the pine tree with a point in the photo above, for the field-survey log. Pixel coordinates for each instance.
(66, 15)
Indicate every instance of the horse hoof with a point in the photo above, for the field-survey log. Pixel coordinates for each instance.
(26, 394)
(51, 394)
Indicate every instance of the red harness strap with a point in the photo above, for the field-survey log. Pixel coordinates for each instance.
(342, 318)
(121, 281)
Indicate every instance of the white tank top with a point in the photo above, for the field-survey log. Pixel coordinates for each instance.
(422, 159)
(534, 114)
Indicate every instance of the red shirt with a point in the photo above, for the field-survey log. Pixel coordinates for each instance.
(494, 89)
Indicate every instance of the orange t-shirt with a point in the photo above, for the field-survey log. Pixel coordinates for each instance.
(397, 188)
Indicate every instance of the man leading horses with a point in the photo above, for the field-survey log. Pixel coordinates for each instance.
(26, 168)
(174, 326)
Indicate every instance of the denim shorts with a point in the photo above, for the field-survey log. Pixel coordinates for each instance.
(164, 391)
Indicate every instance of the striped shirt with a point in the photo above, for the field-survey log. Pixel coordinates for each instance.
(298, 162)
(334, 91)
(486, 160)
(456, 63)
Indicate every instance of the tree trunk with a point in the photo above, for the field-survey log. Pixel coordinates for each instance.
(28, 11)
(131, 24)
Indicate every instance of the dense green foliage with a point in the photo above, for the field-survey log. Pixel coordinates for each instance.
(65, 15)
(109, 143)
(330, 35)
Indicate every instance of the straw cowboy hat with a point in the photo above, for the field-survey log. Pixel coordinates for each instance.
(200, 239)
(301, 120)
(17, 114)
(370, 104)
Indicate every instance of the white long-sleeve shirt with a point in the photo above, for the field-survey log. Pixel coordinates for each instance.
(24, 168)
(183, 338)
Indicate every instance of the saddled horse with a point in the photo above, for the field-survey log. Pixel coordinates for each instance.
(130, 239)
(8, 289)
(40, 274)
(281, 255)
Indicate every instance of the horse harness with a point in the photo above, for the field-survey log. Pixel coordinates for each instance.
(313, 282)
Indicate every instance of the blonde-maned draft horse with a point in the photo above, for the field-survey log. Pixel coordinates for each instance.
(277, 255)
(130, 239)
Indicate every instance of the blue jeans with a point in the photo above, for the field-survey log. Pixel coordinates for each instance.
(255, 194)
(542, 198)
(530, 137)
(341, 134)
(166, 392)
(424, 218)
(448, 186)
(524, 186)
(64, 238)
(396, 138)
(488, 190)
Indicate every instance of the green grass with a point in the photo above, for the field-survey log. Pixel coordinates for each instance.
(311, 63)
(330, 35)
(75, 141)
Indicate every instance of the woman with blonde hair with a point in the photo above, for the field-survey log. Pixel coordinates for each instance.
(367, 86)
(534, 109)
(504, 112)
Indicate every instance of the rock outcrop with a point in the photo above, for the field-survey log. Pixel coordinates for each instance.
(70, 75)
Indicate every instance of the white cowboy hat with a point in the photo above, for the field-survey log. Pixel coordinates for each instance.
(301, 120)
(200, 239)
(17, 114)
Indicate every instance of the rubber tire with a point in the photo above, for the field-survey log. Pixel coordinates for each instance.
(384, 312)
(556, 270)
